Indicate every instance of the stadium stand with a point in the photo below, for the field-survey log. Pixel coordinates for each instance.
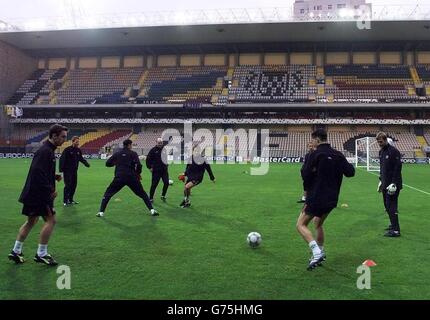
(424, 73)
(146, 140)
(183, 84)
(101, 138)
(36, 86)
(406, 143)
(94, 86)
(296, 143)
(209, 85)
(70, 134)
(282, 142)
(427, 137)
(272, 84)
(382, 83)
(118, 142)
(34, 135)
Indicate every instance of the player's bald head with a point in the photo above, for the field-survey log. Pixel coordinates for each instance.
(159, 142)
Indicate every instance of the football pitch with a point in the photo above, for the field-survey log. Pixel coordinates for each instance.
(201, 252)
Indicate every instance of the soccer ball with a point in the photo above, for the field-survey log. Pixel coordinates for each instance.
(170, 182)
(254, 239)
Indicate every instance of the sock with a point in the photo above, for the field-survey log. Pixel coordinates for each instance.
(17, 248)
(42, 250)
(316, 251)
(303, 198)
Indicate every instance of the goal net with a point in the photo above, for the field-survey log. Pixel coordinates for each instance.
(367, 153)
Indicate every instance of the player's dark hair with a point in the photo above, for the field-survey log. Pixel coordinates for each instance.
(127, 142)
(74, 138)
(56, 129)
(320, 134)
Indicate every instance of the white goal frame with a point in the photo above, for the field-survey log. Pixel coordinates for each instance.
(365, 155)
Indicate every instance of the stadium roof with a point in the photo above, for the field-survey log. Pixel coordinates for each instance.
(267, 37)
(46, 15)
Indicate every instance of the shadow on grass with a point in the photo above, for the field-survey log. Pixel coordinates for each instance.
(18, 282)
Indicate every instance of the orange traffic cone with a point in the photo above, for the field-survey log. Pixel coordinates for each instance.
(369, 263)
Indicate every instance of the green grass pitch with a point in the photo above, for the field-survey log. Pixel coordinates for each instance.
(201, 252)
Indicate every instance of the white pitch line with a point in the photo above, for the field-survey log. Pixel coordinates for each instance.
(427, 193)
(413, 188)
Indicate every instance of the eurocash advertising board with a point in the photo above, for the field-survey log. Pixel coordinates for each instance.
(31, 155)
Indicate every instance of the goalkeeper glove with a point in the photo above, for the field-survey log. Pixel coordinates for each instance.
(391, 189)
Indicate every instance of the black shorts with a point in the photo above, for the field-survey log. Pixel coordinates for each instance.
(316, 211)
(38, 210)
(194, 181)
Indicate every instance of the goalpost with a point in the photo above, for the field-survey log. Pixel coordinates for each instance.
(367, 153)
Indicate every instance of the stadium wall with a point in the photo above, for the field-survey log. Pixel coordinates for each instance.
(73, 63)
(150, 62)
(301, 58)
(110, 62)
(233, 60)
(85, 62)
(56, 63)
(166, 61)
(278, 58)
(15, 68)
(390, 58)
(423, 58)
(250, 59)
(191, 60)
(41, 64)
(364, 58)
(133, 61)
(338, 58)
(215, 60)
(275, 58)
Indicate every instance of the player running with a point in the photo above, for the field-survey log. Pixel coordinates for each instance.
(323, 175)
(311, 148)
(193, 174)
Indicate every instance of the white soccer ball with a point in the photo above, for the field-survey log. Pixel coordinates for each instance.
(170, 182)
(254, 239)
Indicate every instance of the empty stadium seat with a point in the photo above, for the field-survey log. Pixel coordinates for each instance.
(272, 84)
(182, 85)
(93, 86)
(372, 83)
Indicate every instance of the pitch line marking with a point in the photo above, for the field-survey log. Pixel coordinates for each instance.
(413, 188)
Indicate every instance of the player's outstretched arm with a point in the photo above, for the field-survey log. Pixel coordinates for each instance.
(148, 161)
(81, 159)
(138, 164)
(348, 168)
(62, 160)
